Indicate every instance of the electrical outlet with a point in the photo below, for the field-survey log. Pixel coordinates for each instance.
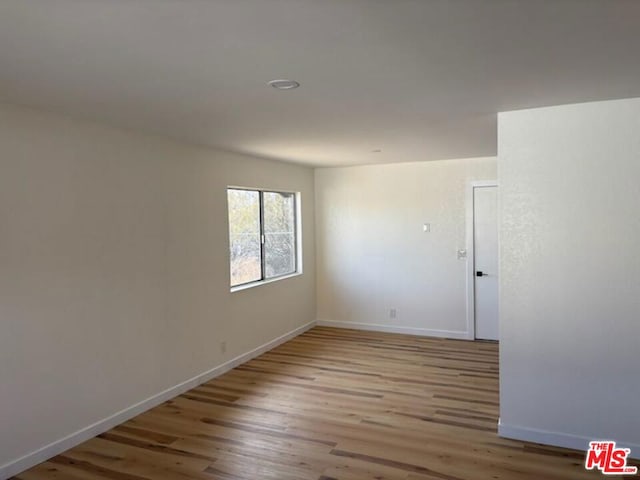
(393, 313)
(223, 347)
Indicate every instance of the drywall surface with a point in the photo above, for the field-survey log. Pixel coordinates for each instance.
(374, 256)
(115, 271)
(570, 290)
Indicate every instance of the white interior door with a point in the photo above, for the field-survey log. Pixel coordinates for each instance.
(485, 242)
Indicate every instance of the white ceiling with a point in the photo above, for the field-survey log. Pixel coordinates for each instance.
(421, 80)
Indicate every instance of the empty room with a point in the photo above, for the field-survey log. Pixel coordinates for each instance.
(319, 239)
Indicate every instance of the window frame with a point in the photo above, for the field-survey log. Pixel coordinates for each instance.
(297, 254)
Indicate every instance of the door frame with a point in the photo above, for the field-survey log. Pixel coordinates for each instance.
(471, 296)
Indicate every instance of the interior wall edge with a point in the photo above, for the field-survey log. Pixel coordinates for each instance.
(55, 448)
(374, 327)
(557, 439)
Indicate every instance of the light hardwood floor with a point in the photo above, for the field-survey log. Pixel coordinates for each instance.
(329, 404)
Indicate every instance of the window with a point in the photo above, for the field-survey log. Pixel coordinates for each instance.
(262, 235)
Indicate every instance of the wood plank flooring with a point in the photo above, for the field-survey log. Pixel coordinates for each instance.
(330, 404)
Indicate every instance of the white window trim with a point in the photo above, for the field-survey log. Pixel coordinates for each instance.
(299, 270)
(246, 286)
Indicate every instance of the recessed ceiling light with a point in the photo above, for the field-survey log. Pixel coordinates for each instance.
(284, 84)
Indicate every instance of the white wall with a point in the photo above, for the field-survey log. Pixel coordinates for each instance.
(570, 286)
(373, 255)
(114, 281)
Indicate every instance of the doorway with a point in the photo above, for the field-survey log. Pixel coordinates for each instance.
(483, 261)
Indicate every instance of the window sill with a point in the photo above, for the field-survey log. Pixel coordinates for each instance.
(247, 286)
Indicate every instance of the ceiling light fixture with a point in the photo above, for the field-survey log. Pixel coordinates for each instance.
(284, 84)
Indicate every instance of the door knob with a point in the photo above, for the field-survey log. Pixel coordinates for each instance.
(479, 274)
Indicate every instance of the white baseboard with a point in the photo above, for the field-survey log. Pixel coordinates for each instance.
(38, 456)
(424, 332)
(557, 439)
